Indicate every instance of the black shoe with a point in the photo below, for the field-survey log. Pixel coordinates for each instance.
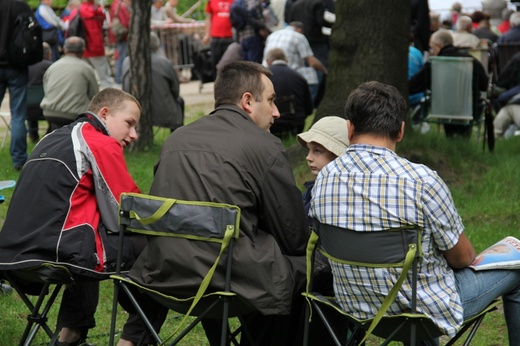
(5, 288)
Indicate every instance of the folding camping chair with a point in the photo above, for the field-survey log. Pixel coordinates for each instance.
(396, 248)
(45, 280)
(215, 223)
(451, 97)
(504, 52)
(287, 123)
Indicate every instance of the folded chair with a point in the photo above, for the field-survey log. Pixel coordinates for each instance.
(216, 223)
(396, 248)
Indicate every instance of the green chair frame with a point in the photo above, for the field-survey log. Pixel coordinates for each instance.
(216, 223)
(397, 248)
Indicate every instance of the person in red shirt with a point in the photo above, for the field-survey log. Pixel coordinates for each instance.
(93, 16)
(505, 25)
(218, 28)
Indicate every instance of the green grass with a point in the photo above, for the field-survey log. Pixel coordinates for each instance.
(484, 186)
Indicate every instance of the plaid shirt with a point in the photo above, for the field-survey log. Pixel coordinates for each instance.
(296, 48)
(372, 189)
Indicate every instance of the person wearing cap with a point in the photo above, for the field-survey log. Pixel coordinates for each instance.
(326, 140)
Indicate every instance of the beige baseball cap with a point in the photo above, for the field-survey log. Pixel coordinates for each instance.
(331, 132)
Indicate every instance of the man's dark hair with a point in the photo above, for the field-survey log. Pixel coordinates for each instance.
(237, 78)
(376, 108)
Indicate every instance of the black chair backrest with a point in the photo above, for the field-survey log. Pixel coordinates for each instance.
(285, 105)
(504, 53)
(385, 247)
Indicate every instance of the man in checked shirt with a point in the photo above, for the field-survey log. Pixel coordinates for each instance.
(371, 189)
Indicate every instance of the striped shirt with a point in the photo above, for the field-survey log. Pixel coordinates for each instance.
(296, 48)
(372, 189)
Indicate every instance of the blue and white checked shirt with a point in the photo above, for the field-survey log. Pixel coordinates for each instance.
(371, 189)
(296, 48)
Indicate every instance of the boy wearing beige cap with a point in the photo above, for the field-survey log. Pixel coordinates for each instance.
(326, 140)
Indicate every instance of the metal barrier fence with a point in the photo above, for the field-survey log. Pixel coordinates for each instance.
(180, 41)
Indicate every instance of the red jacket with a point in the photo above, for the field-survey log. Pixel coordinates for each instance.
(93, 17)
(65, 205)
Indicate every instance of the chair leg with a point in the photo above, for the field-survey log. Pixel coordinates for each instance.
(225, 314)
(331, 331)
(113, 318)
(306, 326)
(37, 318)
(141, 314)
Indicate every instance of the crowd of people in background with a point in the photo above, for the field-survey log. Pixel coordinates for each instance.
(283, 51)
(495, 23)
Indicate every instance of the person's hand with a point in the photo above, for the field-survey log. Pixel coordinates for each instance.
(206, 39)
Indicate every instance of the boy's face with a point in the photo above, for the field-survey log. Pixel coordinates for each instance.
(122, 123)
(318, 157)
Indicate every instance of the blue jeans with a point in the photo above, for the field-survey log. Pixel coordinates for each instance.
(16, 81)
(477, 289)
(122, 52)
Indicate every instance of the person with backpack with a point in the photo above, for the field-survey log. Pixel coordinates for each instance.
(251, 31)
(14, 71)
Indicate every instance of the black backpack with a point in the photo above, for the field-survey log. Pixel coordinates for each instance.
(26, 41)
(76, 27)
(238, 14)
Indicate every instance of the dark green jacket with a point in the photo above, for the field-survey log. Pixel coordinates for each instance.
(224, 157)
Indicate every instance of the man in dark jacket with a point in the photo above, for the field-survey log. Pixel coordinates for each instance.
(441, 44)
(229, 156)
(288, 83)
(166, 102)
(14, 79)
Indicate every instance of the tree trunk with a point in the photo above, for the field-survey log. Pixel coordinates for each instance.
(141, 70)
(369, 41)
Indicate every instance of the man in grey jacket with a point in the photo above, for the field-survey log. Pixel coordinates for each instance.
(167, 105)
(231, 157)
(69, 85)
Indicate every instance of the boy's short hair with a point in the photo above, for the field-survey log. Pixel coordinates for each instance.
(111, 98)
(330, 132)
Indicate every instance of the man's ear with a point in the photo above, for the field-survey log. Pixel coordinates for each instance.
(246, 102)
(400, 135)
(351, 131)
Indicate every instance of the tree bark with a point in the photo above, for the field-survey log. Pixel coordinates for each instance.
(141, 70)
(369, 41)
